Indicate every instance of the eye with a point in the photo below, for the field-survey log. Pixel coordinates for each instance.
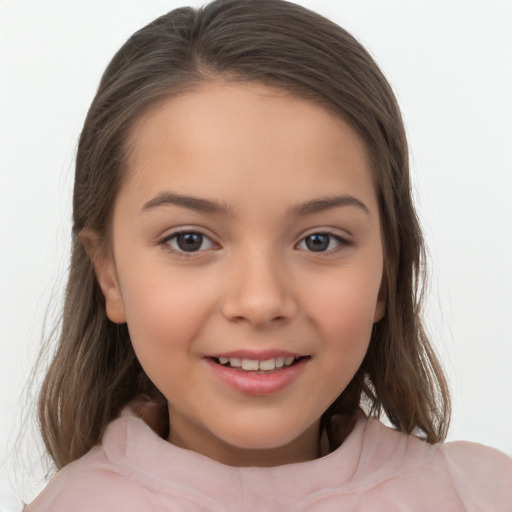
(187, 241)
(321, 242)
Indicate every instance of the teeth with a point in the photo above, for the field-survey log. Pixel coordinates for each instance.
(269, 364)
(250, 364)
(255, 365)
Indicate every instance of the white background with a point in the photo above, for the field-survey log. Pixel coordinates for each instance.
(450, 64)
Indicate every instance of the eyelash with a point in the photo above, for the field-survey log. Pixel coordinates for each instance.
(167, 240)
(340, 241)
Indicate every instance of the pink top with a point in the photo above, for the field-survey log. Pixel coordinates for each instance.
(375, 469)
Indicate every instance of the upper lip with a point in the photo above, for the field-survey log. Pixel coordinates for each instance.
(256, 355)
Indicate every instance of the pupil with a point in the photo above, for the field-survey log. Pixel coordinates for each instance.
(190, 242)
(317, 243)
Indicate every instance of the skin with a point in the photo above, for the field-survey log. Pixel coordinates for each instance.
(254, 284)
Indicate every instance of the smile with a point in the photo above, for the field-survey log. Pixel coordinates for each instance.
(263, 375)
(255, 364)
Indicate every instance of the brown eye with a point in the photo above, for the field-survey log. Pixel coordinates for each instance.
(188, 241)
(317, 242)
(321, 242)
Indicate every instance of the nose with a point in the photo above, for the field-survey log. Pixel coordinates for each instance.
(259, 291)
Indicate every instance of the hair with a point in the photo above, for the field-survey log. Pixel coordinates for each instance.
(94, 371)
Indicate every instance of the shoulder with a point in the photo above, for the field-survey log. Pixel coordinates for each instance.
(92, 483)
(402, 470)
(481, 475)
(123, 474)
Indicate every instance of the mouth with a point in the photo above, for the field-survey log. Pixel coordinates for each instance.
(258, 366)
(258, 374)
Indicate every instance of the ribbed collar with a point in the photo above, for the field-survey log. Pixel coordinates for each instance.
(139, 453)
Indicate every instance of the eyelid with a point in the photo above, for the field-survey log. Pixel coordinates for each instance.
(326, 230)
(164, 240)
(344, 240)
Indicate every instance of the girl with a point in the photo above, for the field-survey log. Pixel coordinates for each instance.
(243, 299)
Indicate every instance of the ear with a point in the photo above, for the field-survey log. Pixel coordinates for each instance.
(106, 274)
(380, 307)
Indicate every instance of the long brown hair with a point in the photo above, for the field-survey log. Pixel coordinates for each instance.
(94, 372)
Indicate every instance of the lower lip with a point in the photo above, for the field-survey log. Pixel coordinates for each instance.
(252, 383)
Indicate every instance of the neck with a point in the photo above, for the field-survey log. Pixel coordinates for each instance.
(304, 448)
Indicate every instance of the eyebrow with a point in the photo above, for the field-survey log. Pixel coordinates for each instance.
(209, 206)
(327, 203)
(192, 203)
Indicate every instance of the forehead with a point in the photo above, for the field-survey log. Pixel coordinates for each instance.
(250, 136)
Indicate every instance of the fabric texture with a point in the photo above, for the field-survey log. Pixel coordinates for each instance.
(375, 469)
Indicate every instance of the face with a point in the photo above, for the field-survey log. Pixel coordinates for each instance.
(246, 259)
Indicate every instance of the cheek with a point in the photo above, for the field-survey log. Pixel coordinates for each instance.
(344, 319)
(165, 311)
(342, 310)
(343, 306)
